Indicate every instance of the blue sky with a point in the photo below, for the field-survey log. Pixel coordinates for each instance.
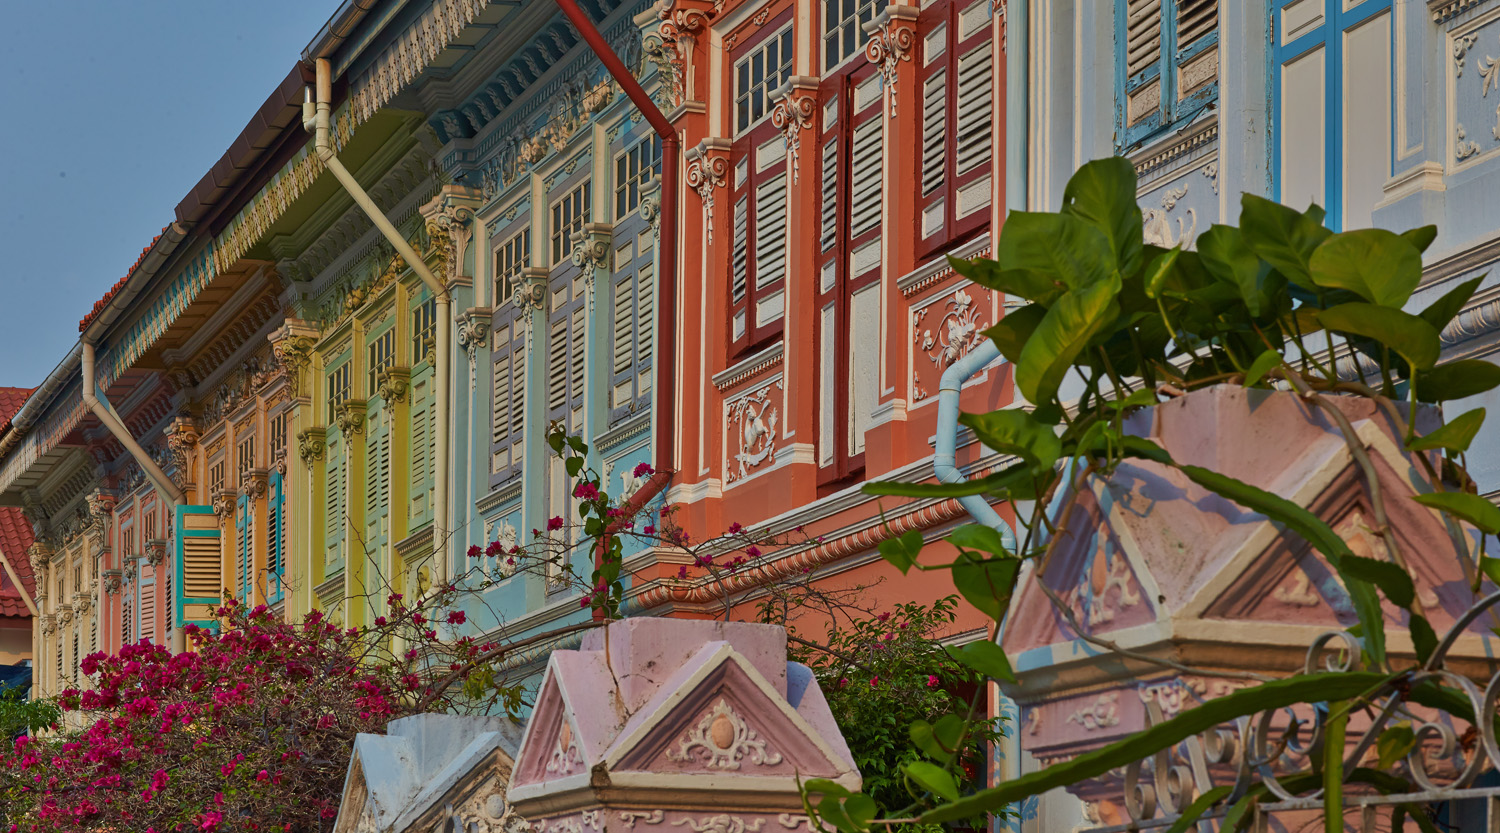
(109, 114)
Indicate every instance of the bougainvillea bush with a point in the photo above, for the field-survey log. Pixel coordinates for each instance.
(251, 729)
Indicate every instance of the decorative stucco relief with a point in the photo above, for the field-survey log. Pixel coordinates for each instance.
(750, 421)
(721, 739)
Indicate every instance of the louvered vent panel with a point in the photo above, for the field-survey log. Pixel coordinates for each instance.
(1142, 36)
(372, 481)
(517, 393)
(200, 568)
(624, 324)
(557, 364)
(830, 195)
(934, 131)
(646, 314)
(974, 102)
(864, 171)
(420, 405)
(333, 490)
(741, 240)
(1195, 19)
(501, 387)
(770, 231)
(577, 341)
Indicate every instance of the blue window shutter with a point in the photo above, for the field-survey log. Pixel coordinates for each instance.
(274, 526)
(198, 566)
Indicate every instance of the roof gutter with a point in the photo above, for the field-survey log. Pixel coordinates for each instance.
(337, 29)
(166, 244)
(31, 411)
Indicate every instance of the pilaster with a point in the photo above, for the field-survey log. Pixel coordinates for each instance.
(703, 331)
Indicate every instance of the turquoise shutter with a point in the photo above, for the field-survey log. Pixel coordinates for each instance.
(244, 561)
(199, 582)
(275, 521)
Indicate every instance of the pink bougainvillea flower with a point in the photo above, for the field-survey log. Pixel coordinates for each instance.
(643, 470)
(932, 681)
(475, 551)
(554, 524)
(456, 617)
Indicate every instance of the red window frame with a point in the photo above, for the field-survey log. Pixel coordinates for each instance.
(947, 172)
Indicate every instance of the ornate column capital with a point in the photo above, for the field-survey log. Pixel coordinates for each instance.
(182, 435)
(254, 483)
(112, 580)
(532, 292)
(450, 217)
(223, 503)
(82, 601)
(311, 445)
(893, 34)
(49, 624)
(659, 46)
(64, 614)
(651, 204)
(591, 245)
(292, 344)
(40, 555)
(473, 327)
(351, 416)
(394, 382)
(795, 112)
(156, 551)
(707, 169)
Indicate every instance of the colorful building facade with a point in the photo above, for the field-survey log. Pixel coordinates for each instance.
(279, 364)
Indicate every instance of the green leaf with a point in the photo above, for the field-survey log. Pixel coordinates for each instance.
(1284, 237)
(1044, 255)
(1421, 236)
(901, 551)
(939, 741)
(1424, 639)
(1103, 193)
(1014, 431)
(1440, 312)
(1393, 581)
(988, 583)
(1457, 380)
(1491, 568)
(1062, 335)
(1472, 508)
(1143, 398)
(1394, 744)
(1030, 284)
(1011, 332)
(1456, 435)
(1199, 806)
(985, 657)
(978, 537)
(1159, 269)
(1415, 339)
(574, 466)
(1378, 265)
(1333, 766)
(933, 779)
(1226, 256)
(824, 786)
(1261, 366)
(1276, 694)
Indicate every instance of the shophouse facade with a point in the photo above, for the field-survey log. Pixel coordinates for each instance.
(277, 364)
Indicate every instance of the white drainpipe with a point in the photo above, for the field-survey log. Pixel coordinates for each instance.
(315, 118)
(944, 457)
(105, 413)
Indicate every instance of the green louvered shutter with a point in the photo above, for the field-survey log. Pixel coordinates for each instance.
(200, 583)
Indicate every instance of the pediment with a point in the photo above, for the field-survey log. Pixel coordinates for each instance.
(556, 750)
(727, 720)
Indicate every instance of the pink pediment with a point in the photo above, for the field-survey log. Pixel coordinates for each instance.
(1093, 574)
(555, 751)
(726, 720)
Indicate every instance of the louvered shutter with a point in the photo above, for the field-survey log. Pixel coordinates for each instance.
(199, 566)
(557, 363)
(741, 245)
(1167, 73)
(957, 77)
(975, 82)
(500, 386)
(335, 498)
(578, 344)
(645, 294)
(865, 172)
(421, 406)
(275, 537)
(934, 130)
(147, 628)
(244, 556)
(1143, 20)
(517, 396)
(829, 197)
(1195, 19)
(770, 231)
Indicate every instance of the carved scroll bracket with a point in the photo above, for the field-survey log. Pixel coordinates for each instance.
(892, 37)
(473, 327)
(796, 106)
(708, 169)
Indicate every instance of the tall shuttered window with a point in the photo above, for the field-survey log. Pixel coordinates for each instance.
(1331, 82)
(569, 214)
(843, 32)
(759, 69)
(244, 549)
(851, 156)
(275, 537)
(633, 301)
(338, 390)
(956, 75)
(758, 196)
(423, 330)
(634, 167)
(1167, 63)
(382, 354)
(508, 352)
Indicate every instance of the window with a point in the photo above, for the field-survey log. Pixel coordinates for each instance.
(633, 296)
(851, 156)
(382, 356)
(423, 330)
(567, 342)
(568, 216)
(335, 493)
(278, 437)
(635, 167)
(843, 34)
(1167, 64)
(957, 79)
(216, 477)
(244, 550)
(245, 455)
(763, 69)
(275, 537)
(508, 353)
(338, 391)
(511, 258)
(1332, 92)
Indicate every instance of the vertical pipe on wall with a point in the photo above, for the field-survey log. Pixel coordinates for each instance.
(316, 118)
